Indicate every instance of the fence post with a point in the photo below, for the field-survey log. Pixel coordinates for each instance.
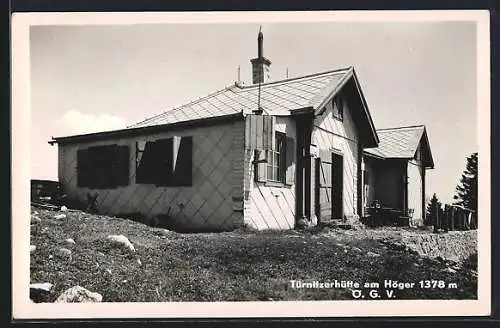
(446, 221)
(446, 214)
(436, 217)
(450, 215)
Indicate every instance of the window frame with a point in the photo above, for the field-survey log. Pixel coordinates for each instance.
(338, 107)
(277, 154)
(91, 168)
(159, 167)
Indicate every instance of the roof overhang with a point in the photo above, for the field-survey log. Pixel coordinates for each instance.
(365, 121)
(426, 166)
(367, 154)
(148, 130)
(304, 110)
(427, 160)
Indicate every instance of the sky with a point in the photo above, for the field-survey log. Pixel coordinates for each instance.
(95, 78)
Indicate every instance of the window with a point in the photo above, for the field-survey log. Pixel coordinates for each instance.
(103, 167)
(279, 166)
(165, 162)
(338, 107)
(276, 168)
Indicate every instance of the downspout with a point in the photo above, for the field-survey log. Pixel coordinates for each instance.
(304, 187)
(423, 195)
(360, 180)
(311, 213)
(405, 209)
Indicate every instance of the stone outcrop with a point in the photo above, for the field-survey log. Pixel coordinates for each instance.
(454, 245)
(121, 240)
(78, 294)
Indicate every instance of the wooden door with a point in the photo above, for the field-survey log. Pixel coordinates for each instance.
(324, 187)
(338, 185)
(329, 186)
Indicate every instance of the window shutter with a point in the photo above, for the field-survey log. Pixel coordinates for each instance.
(259, 132)
(145, 170)
(164, 162)
(82, 168)
(182, 161)
(268, 132)
(102, 162)
(290, 160)
(260, 174)
(122, 166)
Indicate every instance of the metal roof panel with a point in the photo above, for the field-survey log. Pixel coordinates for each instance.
(398, 142)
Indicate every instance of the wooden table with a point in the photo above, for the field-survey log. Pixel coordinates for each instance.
(387, 216)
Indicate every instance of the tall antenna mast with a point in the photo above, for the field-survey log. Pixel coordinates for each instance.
(239, 73)
(260, 37)
(287, 72)
(260, 67)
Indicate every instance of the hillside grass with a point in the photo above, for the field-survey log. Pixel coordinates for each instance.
(230, 266)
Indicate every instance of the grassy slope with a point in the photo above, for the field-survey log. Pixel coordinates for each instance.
(221, 267)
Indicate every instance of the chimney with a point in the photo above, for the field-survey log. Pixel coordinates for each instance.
(260, 65)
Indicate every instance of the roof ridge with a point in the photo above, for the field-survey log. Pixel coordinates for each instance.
(233, 87)
(403, 127)
(338, 70)
(192, 102)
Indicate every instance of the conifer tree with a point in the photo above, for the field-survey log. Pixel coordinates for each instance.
(430, 215)
(466, 191)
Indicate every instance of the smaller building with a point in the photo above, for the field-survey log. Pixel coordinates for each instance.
(394, 172)
(48, 191)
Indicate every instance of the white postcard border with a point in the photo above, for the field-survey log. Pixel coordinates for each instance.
(23, 309)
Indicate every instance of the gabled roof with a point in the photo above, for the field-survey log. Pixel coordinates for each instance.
(402, 142)
(281, 98)
(277, 98)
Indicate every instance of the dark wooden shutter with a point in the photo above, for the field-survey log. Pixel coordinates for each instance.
(95, 165)
(145, 164)
(102, 161)
(122, 166)
(260, 174)
(82, 168)
(163, 150)
(290, 160)
(183, 165)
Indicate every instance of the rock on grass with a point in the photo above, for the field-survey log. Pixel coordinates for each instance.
(64, 252)
(39, 292)
(122, 241)
(372, 254)
(70, 241)
(78, 294)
